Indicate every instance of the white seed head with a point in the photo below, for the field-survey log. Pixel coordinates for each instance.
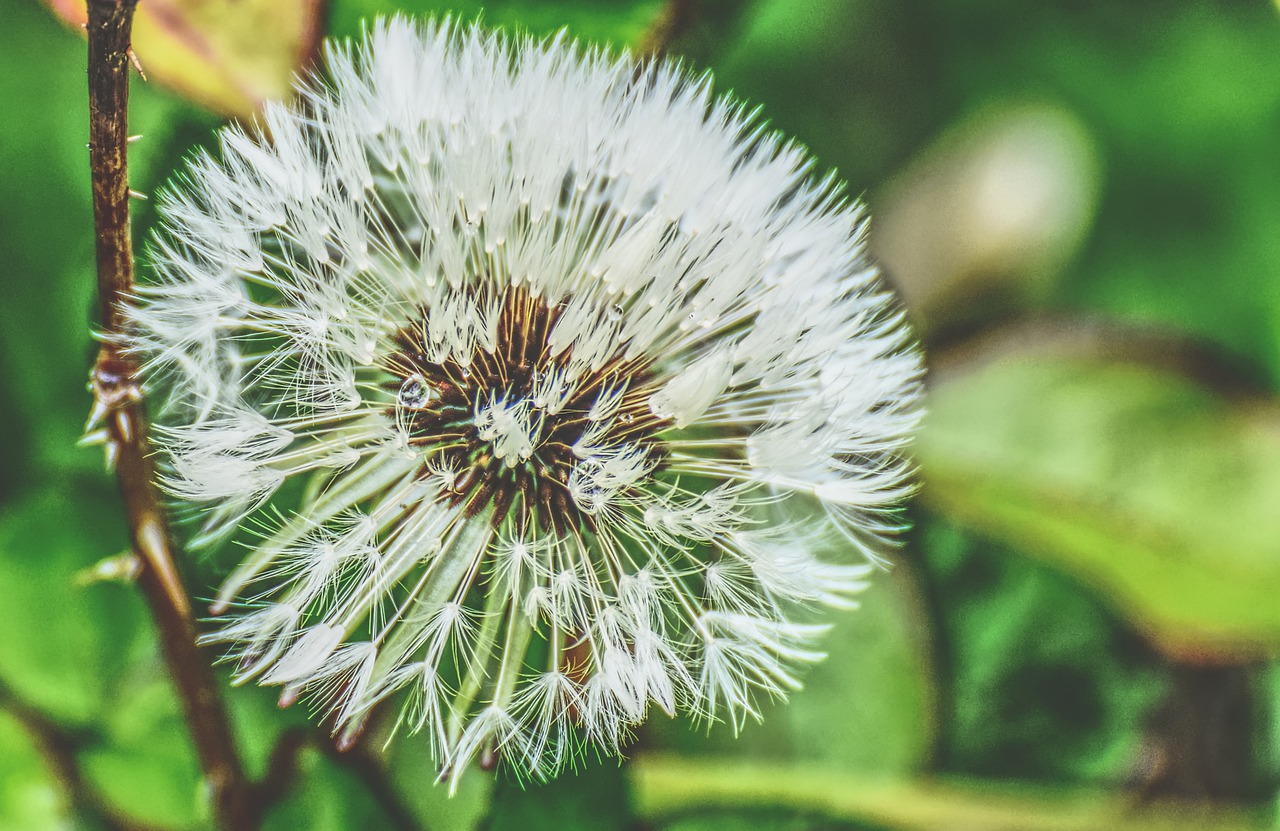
(583, 370)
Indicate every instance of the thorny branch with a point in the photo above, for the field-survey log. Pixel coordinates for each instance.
(119, 408)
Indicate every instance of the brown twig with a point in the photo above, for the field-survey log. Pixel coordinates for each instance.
(118, 404)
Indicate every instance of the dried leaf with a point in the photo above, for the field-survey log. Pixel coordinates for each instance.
(230, 56)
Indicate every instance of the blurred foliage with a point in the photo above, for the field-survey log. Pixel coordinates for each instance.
(1071, 708)
(667, 789)
(1161, 492)
(1079, 200)
(328, 797)
(595, 798)
(30, 797)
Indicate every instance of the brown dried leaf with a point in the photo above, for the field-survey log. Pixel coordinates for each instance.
(230, 56)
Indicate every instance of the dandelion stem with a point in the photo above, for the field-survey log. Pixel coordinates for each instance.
(118, 402)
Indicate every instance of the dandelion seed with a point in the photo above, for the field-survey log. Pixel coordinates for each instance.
(582, 367)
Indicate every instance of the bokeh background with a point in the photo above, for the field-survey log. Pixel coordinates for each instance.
(1080, 201)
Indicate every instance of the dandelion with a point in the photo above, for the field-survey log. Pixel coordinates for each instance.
(577, 368)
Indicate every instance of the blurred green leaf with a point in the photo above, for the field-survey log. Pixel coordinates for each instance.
(594, 798)
(327, 797)
(984, 220)
(66, 645)
(869, 707)
(259, 723)
(30, 797)
(228, 55)
(146, 768)
(1183, 100)
(620, 22)
(1145, 484)
(46, 234)
(1038, 681)
(85, 654)
(413, 774)
(665, 786)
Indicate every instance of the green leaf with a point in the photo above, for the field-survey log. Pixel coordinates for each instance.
(1153, 489)
(869, 707)
(66, 644)
(146, 767)
(326, 797)
(30, 797)
(592, 799)
(1039, 681)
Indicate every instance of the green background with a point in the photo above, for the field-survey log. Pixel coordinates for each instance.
(1081, 204)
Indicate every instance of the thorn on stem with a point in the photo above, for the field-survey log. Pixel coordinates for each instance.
(137, 64)
(96, 414)
(124, 425)
(113, 454)
(93, 438)
(113, 386)
(122, 568)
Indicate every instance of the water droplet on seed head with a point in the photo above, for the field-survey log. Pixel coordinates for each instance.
(414, 393)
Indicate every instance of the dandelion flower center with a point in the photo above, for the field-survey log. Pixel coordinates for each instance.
(510, 430)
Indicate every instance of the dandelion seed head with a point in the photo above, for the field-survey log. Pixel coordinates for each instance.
(586, 374)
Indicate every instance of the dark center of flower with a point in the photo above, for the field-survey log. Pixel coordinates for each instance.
(506, 428)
